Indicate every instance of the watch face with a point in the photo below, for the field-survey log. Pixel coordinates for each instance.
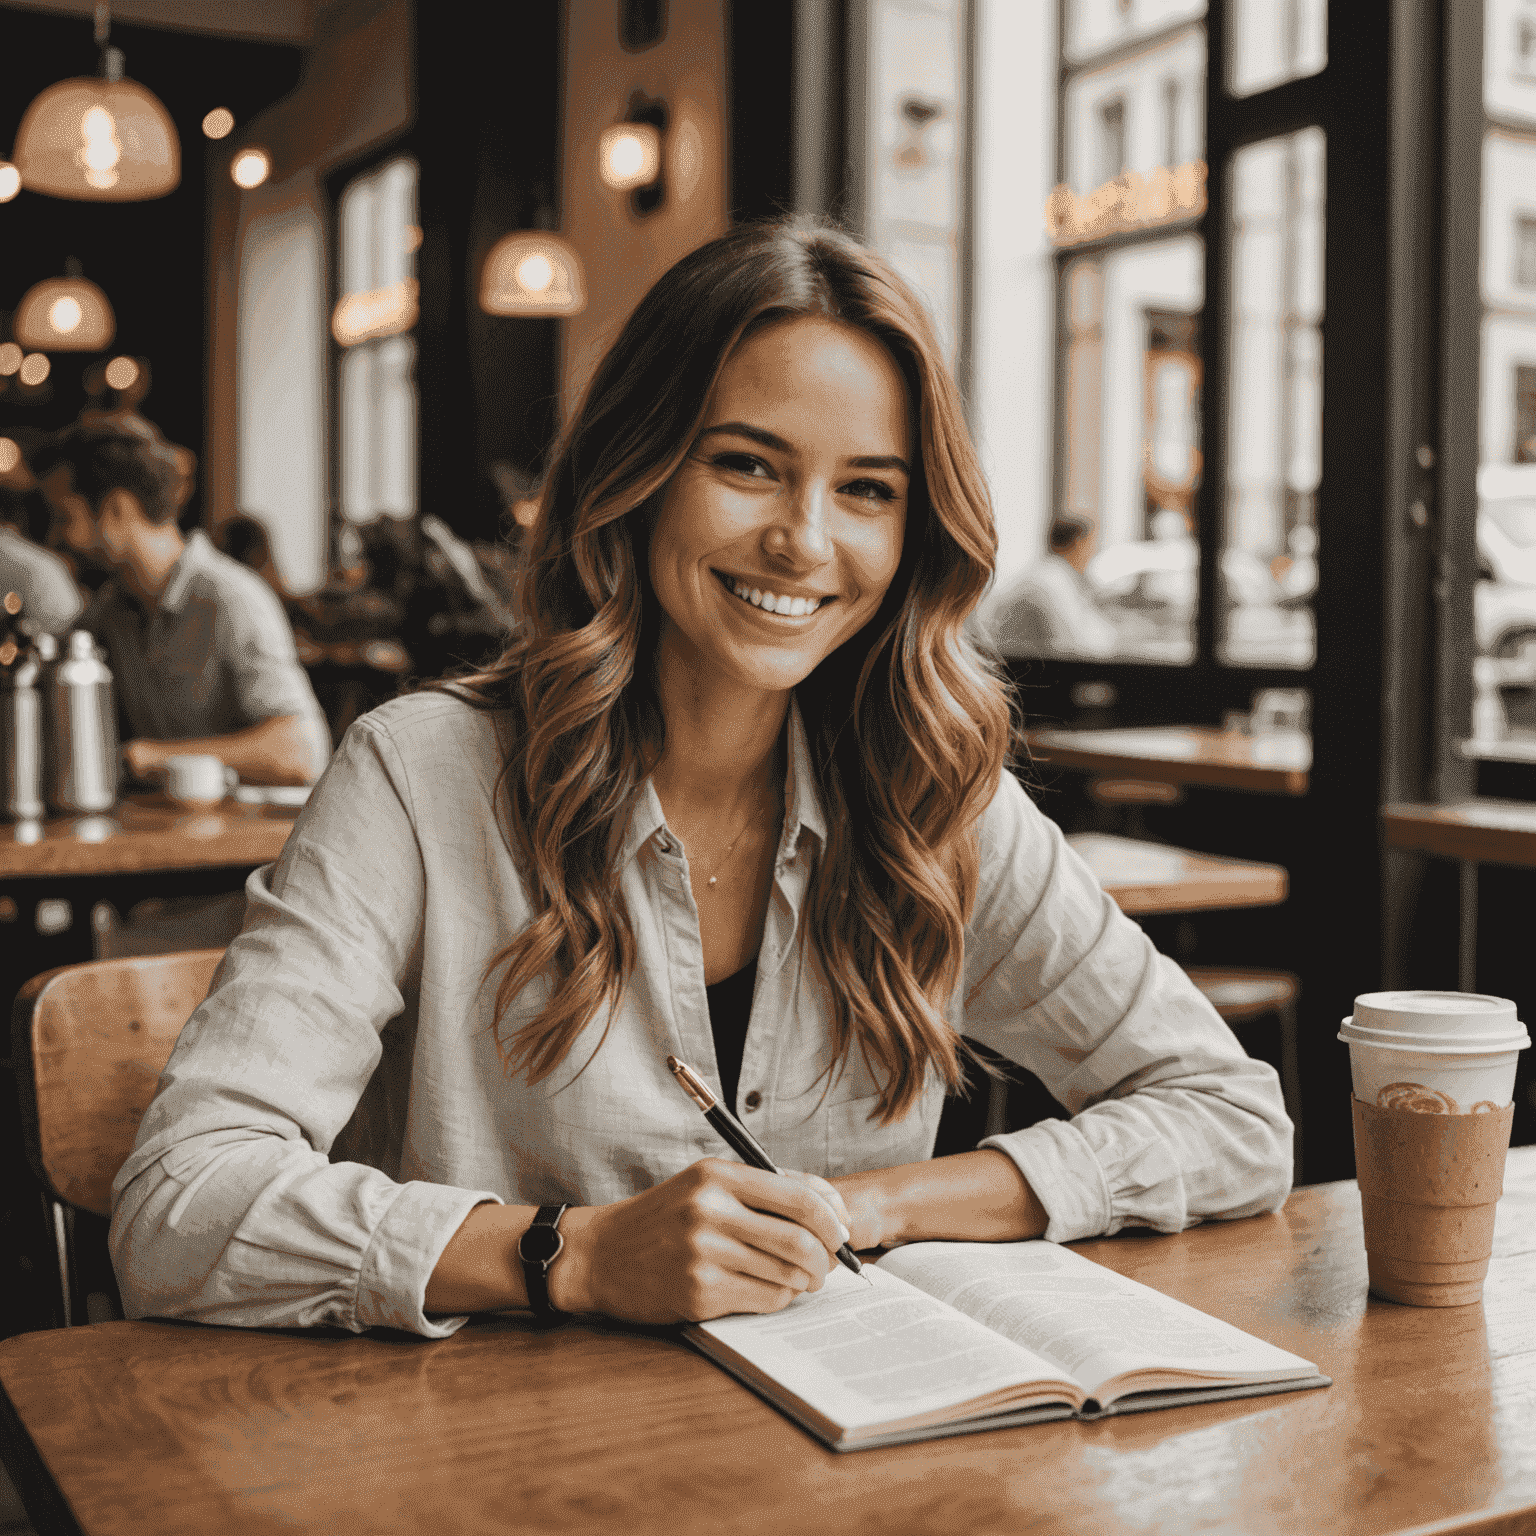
(540, 1244)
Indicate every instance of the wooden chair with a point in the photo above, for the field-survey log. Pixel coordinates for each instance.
(88, 1043)
(1243, 996)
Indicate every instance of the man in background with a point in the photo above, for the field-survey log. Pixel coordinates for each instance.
(1052, 611)
(51, 601)
(200, 648)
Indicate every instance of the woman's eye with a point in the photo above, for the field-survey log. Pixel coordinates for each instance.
(870, 490)
(741, 463)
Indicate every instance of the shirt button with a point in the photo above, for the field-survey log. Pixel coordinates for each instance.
(753, 1099)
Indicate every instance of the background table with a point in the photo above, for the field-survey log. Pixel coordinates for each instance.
(1146, 877)
(175, 1428)
(144, 834)
(1183, 754)
(1472, 832)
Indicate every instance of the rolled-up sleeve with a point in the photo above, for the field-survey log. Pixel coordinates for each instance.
(229, 1210)
(1172, 1122)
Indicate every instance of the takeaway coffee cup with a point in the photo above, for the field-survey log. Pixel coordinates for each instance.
(1433, 1076)
(195, 778)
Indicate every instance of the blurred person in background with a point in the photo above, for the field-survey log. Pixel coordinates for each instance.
(51, 602)
(1053, 610)
(200, 648)
(244, 539)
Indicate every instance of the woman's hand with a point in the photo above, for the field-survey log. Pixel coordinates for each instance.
(718, 1237)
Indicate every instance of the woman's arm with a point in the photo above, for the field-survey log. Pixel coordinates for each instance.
(977, 1197)
(717, 1238)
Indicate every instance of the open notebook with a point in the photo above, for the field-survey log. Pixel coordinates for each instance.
(955, 1337)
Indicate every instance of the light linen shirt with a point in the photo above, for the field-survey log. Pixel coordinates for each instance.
(337, 1106)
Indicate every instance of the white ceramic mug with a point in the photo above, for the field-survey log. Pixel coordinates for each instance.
(195, 778)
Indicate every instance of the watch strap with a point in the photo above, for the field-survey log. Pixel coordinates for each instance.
(538, 1248)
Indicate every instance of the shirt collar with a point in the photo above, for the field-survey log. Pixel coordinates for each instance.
(802, 803)
(191, 560)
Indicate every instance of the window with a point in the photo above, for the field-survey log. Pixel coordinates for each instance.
(372, 324)
(911, 150)
(1503, 725)
(1274, 41)
(1275, 413)
(1111, 138)
(1130, 294)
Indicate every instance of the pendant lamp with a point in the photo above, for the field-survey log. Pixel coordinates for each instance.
(64, 314)
(99, 138)
(532, 272)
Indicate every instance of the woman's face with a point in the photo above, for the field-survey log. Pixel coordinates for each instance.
(780, 533)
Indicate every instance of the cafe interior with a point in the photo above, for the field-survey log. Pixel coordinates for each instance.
(1240, 297)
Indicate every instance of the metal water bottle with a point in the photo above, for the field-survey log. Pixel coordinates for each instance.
(21, 733)
(80, 725)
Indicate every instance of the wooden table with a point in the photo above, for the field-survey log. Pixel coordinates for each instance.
(1183, 754)
(177, 1428)
(144, 834)
(1154, 878)
(1472, 832)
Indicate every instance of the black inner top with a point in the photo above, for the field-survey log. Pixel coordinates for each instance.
(730, 1003)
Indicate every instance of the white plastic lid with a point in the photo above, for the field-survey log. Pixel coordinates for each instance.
(1439, 1021)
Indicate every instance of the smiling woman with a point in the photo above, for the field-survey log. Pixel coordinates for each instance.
(736, 793)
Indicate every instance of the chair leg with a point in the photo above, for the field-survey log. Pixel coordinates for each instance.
(1290, 1078)
(61, 1245)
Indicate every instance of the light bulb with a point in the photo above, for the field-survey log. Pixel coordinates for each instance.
(10, 455)
(629, 155)
(10, 181)
(251, 167)
(122, 373)
(101, 151)
(34, 369)
(219, 123)
(10, 359)
(535, 272)
(64, 314)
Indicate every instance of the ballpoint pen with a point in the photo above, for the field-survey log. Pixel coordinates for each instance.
(742, 1141)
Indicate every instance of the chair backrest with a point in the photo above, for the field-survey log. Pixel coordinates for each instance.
(89, 1043)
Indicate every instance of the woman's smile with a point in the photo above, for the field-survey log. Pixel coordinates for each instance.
(769, 600)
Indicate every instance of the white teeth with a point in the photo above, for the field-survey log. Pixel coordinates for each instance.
(769, 602)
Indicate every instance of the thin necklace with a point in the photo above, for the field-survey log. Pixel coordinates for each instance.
(752, 816)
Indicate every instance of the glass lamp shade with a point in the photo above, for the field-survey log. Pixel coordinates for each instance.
(530, 272)
(97, 140)
(64, 314)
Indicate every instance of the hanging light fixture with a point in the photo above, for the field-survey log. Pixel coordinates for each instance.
(10, 181)
(99, 139)
(64, 314)
(532, 272)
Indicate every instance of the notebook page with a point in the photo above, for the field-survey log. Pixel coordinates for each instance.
(868, 1354)
(1088, 1320)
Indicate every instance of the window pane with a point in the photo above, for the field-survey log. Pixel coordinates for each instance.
(1274, 41)
(913, 148)
(1504, 599)
(357, 416)
(1274, 423)
(1094, 25)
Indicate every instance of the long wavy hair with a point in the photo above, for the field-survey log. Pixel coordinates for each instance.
(909, 723)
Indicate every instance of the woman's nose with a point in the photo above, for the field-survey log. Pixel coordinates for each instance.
(801, 533)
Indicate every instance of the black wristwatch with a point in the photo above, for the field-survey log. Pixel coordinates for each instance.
(538, 1248)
